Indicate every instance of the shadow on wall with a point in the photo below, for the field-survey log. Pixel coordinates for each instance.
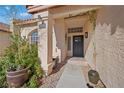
(56, 51)
(111, 14)
(110, 54)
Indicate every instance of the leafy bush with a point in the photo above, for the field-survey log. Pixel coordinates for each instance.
(3, 82)
(32, 82)
(19, 55)
(36, 71)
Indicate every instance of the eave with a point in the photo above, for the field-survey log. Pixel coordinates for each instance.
(37, 8)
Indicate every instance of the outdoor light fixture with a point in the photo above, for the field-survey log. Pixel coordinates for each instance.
(42, 25)
(86, 34)
(39, 17)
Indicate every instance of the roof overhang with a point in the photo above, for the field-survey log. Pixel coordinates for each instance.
(37, 8)
(5, 31)
(28, 21)
(75, 12)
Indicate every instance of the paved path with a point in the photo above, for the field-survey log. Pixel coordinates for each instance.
(72, 77)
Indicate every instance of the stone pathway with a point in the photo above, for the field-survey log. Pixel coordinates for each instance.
(72, 76)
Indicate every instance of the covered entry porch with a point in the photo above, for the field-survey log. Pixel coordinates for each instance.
(67, 34)
(71, 34)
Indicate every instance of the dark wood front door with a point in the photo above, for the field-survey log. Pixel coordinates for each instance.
(78, 46)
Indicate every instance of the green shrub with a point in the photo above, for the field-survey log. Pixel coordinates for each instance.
(19, 55)
(33, 83)
(3, 82)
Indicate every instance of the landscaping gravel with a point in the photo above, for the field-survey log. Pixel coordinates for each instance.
(52, 80)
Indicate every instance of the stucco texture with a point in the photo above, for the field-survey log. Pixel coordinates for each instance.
(4, 41)
(109, 43)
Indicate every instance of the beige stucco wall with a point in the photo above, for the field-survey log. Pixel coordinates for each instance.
(45, 42)
(109, 39)
(4, 41)
(60, 37)
(50, 43)
(26, 30)
(42, 47)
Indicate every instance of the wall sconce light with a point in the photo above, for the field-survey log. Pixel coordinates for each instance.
(43, 24)
(86, 34)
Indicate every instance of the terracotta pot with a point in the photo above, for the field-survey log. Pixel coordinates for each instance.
(17, 78)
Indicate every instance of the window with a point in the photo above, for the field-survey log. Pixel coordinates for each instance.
(69, 43)
(34, 37)
(74, 30)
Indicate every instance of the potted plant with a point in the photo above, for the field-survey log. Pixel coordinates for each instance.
(21, 64)
(17, 61)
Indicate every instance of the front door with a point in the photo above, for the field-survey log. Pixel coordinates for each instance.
(78, 46)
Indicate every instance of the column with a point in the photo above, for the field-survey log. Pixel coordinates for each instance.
(45, 44)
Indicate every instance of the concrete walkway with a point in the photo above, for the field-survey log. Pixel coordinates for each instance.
(72, 77)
